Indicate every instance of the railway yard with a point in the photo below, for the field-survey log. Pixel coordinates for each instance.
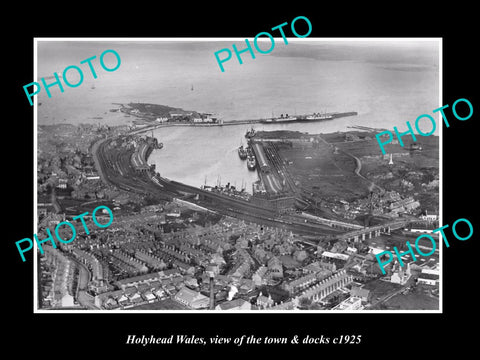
(119, 169)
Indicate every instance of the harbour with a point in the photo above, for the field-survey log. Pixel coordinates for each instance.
(205, 167)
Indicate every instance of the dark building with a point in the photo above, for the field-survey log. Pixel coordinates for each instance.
(280, 203)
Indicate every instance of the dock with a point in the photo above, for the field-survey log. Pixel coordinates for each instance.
(300, 118)
(152, 125)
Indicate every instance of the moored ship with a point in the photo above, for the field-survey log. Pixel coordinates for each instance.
(249, 151)
(304, 118)
(318, 116)
(251, 162)
(282, 118)
(242, 152)
(250, 133)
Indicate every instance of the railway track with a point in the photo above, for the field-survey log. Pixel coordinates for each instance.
(118, 170)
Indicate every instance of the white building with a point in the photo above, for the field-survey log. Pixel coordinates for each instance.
(352, 303)
(429, 217)
(203, 120)
(191, 298)
(337, 256)
(429, 277)
(401, 276)
(351, 250)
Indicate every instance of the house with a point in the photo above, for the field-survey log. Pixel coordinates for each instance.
(263, 301)
(338, 259)
(155, 285)
(302, 282)
(190, 281)
(328, 265)
(237, 304)
(176, 280)
(184, 267)
(246, 285)
(312, 268)
(260, 254)
(123, 300)
(165, 282)
(143, 288)
(159, 293)
(275, 267)
(149, 296)
(241, 243)
(170, 289)
(168, 273)
(110, 304)
(129, 291)
(288, 305)
(259, 277)
(218, 259)
(290, 262)
(242, 269)
(221, 280)
(136, 298)
(133, 281)
(327, 286)
(191, 298)
(360, 292)
(151, 260)
(111, 298)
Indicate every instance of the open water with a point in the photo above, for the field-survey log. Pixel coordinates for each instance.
(386, 82)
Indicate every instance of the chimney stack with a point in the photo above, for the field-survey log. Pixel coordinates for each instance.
(212, 295)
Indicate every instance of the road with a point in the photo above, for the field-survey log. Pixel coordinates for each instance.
(359, 168)
(84, 278)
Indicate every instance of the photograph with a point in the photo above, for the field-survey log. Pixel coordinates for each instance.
(287, 182)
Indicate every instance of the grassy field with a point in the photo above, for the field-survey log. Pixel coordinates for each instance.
(324, 172)
(412, 301)
(321, 171)
(368, 146)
